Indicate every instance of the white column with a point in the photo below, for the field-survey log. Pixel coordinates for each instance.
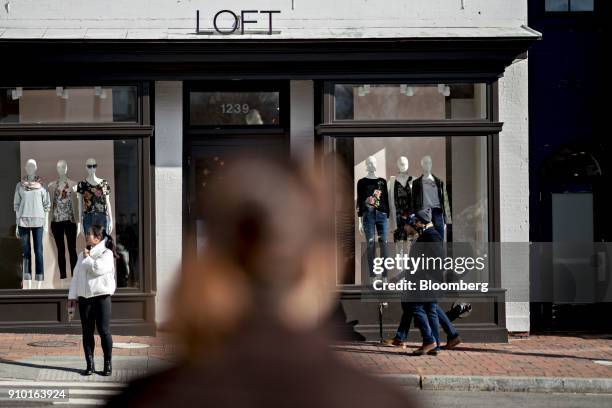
(168, 191)
(514, 193)
(302, 121)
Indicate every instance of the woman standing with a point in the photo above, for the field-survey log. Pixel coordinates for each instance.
(93, 283)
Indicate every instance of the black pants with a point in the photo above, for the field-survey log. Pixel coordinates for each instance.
(96, 312)
(59, 229)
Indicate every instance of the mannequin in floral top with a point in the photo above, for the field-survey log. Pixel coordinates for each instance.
(94, 199)
(64, 218)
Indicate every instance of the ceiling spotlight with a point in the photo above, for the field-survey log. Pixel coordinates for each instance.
(99, 91)
(444, 89)
(363, 90)
(406, 90)
(17, 93)
(59, 90)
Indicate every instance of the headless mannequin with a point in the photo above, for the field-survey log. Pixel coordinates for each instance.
(62, 172)
(94, 181)
(371, 174)
(30, 169)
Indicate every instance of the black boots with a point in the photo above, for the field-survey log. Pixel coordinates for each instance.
(90, 365)
(108, 368)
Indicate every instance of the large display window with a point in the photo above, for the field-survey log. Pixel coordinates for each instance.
(398, 148)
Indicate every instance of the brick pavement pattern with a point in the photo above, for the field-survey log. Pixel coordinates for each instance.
(533, 356)
(541, 356)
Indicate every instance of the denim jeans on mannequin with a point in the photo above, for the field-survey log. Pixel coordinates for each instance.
(37, 234)
(375, 223)
(93, 218)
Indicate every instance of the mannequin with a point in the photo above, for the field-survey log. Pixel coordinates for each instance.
(64, 218)
(400, 204)
(373, 211)
(428, 191)
(94, 200)
(31, 204)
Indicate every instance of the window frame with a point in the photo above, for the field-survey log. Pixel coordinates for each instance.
(569, 12)
(329, 129)
(282, 87)
(142, 131)
(142, 94)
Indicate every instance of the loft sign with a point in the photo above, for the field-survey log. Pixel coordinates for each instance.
(228, 22)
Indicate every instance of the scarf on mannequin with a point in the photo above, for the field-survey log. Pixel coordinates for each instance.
(31, 184)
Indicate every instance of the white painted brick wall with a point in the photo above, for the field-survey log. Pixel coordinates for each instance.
(168, 191)
(514, 193)
(175, 18)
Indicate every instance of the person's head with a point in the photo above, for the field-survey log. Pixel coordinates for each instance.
(268, 249)
(94, 234)
(422, 218)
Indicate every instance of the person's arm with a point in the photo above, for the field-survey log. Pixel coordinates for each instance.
(101, 264)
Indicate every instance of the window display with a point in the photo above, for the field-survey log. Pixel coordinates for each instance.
(51, 211)
(452, 179)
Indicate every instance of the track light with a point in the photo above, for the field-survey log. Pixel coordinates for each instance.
(17, 93)
(406, 90)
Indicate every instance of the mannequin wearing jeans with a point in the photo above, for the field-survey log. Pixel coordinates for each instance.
(63, 217)
(31, 204)
(429, 191)
(373, 211)
(94, 200)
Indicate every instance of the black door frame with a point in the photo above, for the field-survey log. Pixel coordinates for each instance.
(198, 137)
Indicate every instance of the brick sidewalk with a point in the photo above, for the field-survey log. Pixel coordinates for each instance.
(15, 346)
(534, 356)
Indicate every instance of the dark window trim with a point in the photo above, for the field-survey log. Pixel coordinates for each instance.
(282, 87)
(437, 128)
(143, 135)
(327, 131)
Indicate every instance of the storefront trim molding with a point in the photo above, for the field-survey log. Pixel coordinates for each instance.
(409, 129)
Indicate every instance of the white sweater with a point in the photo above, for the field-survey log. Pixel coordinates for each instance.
(95, 274)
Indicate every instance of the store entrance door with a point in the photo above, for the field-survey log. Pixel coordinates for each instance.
(203, 165)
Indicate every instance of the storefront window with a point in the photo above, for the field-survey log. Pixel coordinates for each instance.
(96, 104)
(234, 108)
(447, 174)
(376, 102)
(43, 183)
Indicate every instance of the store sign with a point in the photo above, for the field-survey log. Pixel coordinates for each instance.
(228, 22)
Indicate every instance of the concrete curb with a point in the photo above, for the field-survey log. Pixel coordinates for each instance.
(502, 384)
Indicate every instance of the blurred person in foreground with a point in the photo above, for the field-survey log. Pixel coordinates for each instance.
(247, 310)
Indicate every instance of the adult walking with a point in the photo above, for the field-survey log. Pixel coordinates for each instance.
(93, 284)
